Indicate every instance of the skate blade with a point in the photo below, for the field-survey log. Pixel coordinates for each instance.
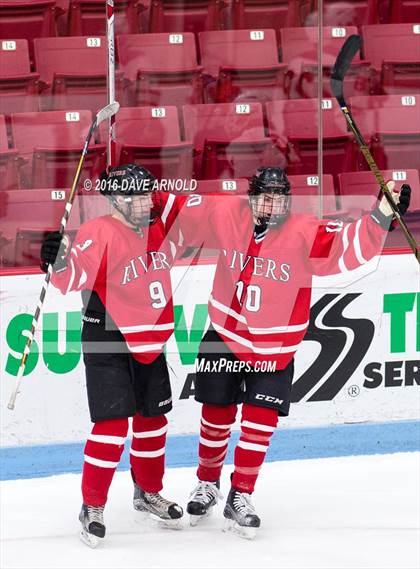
(241, 531)
(89, 539)
(147, 518)
(195, 520)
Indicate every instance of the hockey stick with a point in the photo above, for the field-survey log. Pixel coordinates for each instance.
(343, 61)
(110, 20)
(102, 115)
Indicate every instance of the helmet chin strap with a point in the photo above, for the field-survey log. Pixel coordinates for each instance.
(271, 222)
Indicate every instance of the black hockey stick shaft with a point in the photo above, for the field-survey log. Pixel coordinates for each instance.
(104, 113)
(349, 49)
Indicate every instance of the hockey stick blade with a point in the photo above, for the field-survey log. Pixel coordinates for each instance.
(349, 49)
(107, 112)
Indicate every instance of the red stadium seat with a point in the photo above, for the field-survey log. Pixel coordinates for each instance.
(88, 17)
(299, 47)
(18, 86)
(30, 214)
(162, 68)
(186, 15)
(404, 11)
(293, 125)
(50, 144)
(306, 195)
(238, 186)
(28, 19)
(8, 161)
(150, 136)
(241, 65)
(359, 190)
(391, 123)
(229, 139)
(343, 13)
(266, 14)
(74, 72)
(394, 53)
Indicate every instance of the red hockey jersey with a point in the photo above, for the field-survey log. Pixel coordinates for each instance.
(260, 302)
(130, 273)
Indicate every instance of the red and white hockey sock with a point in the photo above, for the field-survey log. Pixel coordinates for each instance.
(103, 450)
(216, 423)
(257, 426)
(147, 452)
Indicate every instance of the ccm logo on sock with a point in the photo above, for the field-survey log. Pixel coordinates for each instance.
(269, 398)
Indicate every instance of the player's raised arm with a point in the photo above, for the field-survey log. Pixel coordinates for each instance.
(339, 247)
(193, 220)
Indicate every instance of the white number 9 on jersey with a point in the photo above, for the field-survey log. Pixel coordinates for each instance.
(157, 294)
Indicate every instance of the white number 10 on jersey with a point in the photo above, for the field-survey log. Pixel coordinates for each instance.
(252, 296)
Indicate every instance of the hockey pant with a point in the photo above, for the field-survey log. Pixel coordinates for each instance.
(257, 426)
(104, 448)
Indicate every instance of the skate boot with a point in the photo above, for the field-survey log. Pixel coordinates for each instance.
(240, 516)
(204, 496)
(93, 528)
(153, 505)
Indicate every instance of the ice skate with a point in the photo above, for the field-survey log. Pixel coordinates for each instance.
(204, 497)
(93, 528)
(152, 505)
(240, 516)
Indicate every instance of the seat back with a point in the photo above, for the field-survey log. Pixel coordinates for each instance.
(387, 114)
(391, 42)
(360, 190)
(14, 58)
(48, 133)
(228, 122)
(185, 15)
(265, 14)
(151, 136)
(156, 52)
(88, 17)
(293, 125)
(145, 126)
(229, 139)
(50, 130)
(306, 195)
(238, 49)
(29, 215)
(27, 19)
(300, 45)
(343, 13)
(298, 119)
(404, 11)
(70, 55)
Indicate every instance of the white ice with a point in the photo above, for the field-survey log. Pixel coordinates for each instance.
(353, 512)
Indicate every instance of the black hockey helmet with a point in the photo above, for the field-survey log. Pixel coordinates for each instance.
(270, 182)
(130, 180)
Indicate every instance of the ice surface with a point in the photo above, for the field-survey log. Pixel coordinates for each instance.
(353, 512)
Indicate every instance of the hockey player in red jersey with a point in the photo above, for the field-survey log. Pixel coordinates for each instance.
(259, 312)
(121, 263)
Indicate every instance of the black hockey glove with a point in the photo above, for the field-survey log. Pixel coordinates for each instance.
(49, 251)
(383, 214)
